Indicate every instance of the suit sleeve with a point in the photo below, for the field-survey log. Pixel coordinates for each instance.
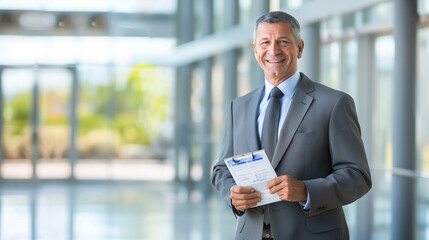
(222, 180)
(351, 177)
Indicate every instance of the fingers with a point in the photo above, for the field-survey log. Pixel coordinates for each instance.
(244, 197)
(288, 188)
(241, 189)
(245, 204)
(278, 183)
(275, 181)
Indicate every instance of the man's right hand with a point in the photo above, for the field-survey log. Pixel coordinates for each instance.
(244, 197)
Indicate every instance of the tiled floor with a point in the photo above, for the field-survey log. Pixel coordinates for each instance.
(110, 210)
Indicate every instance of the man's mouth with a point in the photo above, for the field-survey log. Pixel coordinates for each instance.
(275, 61)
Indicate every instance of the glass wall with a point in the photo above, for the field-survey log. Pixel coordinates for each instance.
(384, 57)
(423, 7)
(54, 91)
(17, 91)
(124, 119)
(219, 15)
(336, 43)
(218, 104)
(422, 209)
(141, 113)
(123, 108)
(422, 136)
(246, 12)
(422, 101)
(381, 13)
(95, 136)
(350, 69)
(382, 158)
(30, 93)
(349, 84)
(330, 65)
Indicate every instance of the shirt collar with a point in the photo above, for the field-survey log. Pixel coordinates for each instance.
(288, 87)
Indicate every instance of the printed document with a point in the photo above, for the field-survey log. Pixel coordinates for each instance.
(253, 170)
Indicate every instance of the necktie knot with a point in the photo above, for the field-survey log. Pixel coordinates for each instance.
(276, 92)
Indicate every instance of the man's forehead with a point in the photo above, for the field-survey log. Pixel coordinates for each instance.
(280, 29)
(282, 25)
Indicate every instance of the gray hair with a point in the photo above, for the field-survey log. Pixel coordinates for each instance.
(279, 17)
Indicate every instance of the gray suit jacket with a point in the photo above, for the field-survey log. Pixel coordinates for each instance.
(319, 144)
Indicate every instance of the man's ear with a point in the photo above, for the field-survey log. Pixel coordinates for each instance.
(254, 51)
(300, 48)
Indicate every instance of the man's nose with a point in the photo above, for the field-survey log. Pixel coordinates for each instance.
(275, 48)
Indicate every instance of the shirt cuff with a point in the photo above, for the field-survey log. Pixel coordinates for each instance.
(236, 211)
(306, 204)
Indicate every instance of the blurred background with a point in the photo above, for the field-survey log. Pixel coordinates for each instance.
(112, 111)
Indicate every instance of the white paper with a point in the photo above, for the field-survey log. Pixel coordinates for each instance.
(253, 170)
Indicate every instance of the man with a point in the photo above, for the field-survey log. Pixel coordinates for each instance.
(316, 149)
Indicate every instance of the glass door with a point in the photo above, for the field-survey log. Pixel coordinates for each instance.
(17, 86)
(54, 97)
(36, 127)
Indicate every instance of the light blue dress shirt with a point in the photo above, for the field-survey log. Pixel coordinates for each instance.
(288, 88)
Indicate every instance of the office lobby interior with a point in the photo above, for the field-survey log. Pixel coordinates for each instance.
(112, 112)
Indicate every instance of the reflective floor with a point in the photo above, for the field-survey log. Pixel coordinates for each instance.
(147, 210)
(110, 210)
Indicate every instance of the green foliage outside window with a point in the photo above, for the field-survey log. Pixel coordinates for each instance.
(121, 114)
(141, 107)
(109, 117)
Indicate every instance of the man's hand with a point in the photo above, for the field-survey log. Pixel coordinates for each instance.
(244, 197)
(288, 188)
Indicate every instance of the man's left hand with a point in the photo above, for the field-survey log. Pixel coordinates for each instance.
(288, 188)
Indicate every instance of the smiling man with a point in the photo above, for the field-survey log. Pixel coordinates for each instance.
(277, 50)
(311, 135)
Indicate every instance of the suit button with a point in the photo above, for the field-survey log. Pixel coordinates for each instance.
(261, 211)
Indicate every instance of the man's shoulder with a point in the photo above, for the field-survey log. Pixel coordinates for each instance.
(329, 91)
(323, 93)
(320, 89)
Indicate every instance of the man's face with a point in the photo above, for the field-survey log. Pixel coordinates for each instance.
(276, 51)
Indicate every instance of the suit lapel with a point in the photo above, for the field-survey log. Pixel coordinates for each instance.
(252, 113)
(298, 108)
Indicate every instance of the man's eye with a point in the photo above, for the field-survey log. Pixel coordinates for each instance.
(284, 42)
(264, 43)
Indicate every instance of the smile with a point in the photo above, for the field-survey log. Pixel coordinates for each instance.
(275, 61)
